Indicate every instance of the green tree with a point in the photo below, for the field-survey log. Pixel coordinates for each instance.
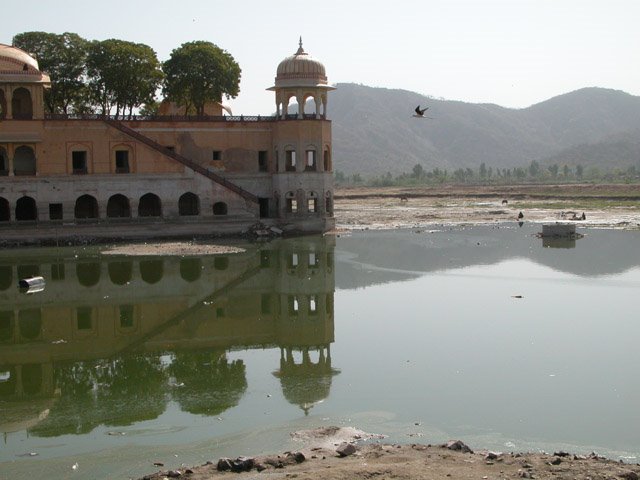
(200, 72)
(553, 169)
(482, 171)
(579, 171)
(63, 57)
(122, 75)
(565, 171)
(418, 171)
(534, 169)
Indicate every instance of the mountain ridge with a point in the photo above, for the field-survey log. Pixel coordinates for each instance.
(374, 131)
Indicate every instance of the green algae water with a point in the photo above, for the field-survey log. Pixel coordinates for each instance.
(486, 334)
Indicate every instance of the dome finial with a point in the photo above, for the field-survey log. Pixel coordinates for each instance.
(300, 49)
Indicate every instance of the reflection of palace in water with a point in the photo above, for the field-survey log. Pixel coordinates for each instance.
(108, 338)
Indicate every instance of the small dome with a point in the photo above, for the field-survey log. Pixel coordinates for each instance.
(14, 56)
(300, 69)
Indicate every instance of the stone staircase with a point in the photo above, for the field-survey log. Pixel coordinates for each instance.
(183, 160)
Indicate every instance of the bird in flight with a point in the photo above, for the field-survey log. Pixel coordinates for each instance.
(420, 112)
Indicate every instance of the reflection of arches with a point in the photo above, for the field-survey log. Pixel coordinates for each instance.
(190, 269)
(26, 209)
(25, 271)
(88, 273)
(86, 207)
(6, 325)
(149, 206)
(328, 204)
(21, 104)
(8, 387)
(5, 210)
(120, 272)
(118, 206)
(220, 208)
(188, 204)
(24, 161)
(31, 378)
(221, 263)
(30, 323)
(6, 277)
(4, 160)
(151, 271)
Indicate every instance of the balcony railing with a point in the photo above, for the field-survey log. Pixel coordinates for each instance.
(176, 118)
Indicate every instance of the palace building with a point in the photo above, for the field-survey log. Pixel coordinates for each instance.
(102, 177)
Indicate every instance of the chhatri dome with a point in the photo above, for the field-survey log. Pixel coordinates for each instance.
(12, 55)
(301, 76)
(300, 69)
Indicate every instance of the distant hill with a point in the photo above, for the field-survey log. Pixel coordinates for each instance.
(374, 131)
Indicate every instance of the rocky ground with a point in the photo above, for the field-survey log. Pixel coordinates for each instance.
(348, 454)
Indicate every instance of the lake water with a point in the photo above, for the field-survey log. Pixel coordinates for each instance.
(418, 335)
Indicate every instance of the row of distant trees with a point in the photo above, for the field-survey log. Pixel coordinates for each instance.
(535, 172)
(117, 76)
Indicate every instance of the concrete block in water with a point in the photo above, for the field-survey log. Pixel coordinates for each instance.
(565, 230)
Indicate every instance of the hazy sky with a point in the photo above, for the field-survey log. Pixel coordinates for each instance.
(510, 52)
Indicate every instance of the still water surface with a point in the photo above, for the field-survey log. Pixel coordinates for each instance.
(418, 335)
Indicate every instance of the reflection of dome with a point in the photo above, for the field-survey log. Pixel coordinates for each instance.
(13, 55)
(306, 383)
(300, 69)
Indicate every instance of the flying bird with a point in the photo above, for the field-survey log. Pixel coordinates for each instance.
(420, 112)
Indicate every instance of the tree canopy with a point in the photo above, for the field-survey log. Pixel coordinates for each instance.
(63, 57)
(199, 72)
(122, 75)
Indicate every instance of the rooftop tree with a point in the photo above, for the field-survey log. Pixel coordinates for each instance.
(122, 75)
(63, 57)
(200, 72)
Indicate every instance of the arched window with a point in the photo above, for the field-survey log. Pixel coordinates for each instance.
(118, 207)
(219, 208)
(86, 207)
(122, 158)
(21, 105)
(327, 160)
(189, 204)
(149, 206)
(24, 161)
(5, 210)
(312, 202)
(310, 163)
(291, 202)
(4, 160)
(26, 209)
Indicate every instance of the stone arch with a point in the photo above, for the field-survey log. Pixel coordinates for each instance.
(4, 159)
(327, 159)
(220, 208)
(21, 104)
(24, 161)
(30, 323)
(149, 206)
(311, 158)
(26, 209)
(315, 104)
(328, 204)
(3, 105)
(290, 159)
(151, 271)
(86, 207)
(188, 204)
(5, 210)
(88, 273)
(118, 206)
(120, 273)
